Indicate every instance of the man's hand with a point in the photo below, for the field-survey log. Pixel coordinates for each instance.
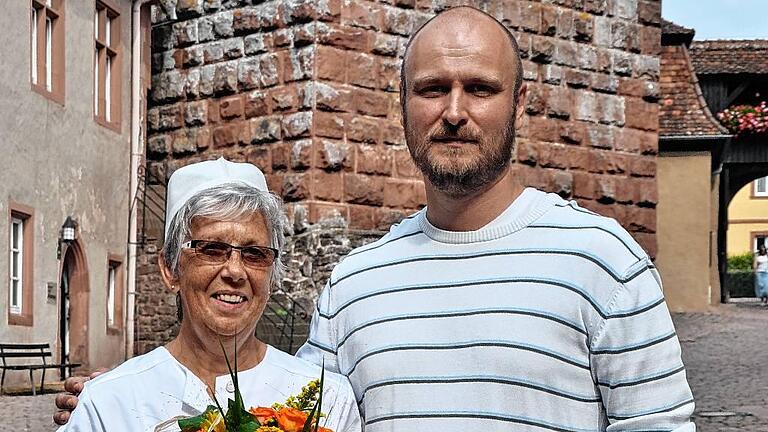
(66, 402)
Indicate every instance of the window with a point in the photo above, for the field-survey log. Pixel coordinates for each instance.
(106, 66)
(20, 255)
(760, 187)
(114, 294)
(17, 265)
(47, 48)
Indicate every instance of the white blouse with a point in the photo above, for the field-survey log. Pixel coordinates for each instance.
(148, 390)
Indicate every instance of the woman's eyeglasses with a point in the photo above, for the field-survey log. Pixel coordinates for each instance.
(218, 253)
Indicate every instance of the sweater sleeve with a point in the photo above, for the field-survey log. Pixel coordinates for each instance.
(636, 359)
(321, 344)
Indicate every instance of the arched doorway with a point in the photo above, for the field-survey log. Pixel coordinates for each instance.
(74, 290)
(745, 160)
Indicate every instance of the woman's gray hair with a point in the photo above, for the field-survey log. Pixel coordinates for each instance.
(227, 202)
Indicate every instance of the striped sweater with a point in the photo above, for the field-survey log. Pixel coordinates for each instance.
(549, 318)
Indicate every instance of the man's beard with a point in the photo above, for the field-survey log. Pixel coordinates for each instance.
(463, 178)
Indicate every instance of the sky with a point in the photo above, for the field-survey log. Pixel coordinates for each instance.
(720, 19)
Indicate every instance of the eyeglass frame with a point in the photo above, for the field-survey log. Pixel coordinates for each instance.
(191, 244)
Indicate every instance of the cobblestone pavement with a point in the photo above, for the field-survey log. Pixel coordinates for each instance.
(725, 353)
(726, 357)
(27, 413)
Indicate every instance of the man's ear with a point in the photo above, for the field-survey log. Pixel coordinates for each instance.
(522, 100)
(169, 279)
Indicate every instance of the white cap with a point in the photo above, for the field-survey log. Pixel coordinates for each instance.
(191, 179)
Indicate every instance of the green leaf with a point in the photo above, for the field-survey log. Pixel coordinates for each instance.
(316, 410)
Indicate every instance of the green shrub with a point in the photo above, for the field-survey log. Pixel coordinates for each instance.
(740, 262)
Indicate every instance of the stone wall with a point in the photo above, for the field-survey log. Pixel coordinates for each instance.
(308, 91)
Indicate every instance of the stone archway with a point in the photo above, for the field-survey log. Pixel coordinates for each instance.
(74, 313)
(744, 160)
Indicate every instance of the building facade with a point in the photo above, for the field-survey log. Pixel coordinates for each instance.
(65, 138)
(309, 92)
(748, 218)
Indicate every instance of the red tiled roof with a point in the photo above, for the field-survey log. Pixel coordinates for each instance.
(683, 111)
(730, 56)
(670, 30)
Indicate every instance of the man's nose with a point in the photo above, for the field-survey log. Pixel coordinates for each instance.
(455, 113)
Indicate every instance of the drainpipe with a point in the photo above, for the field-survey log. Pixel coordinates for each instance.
(137, 161)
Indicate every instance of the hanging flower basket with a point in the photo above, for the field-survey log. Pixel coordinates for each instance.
(745, 119)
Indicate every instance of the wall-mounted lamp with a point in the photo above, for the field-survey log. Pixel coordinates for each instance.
(67, 234)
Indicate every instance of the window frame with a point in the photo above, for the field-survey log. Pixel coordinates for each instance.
(757, 193)
(115, 268)
(23, 315)
(47, 49)
(107, 69)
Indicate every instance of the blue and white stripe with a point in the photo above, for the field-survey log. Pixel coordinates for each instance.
(550, 318)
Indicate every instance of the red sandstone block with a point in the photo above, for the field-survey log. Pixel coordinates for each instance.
(559, 102)
(363, 189)
(361, 14)
(344, 37)
(329, 125)
(362, 70)
(224, 136)
(389, 75)
(301, 154)
(404, 166)
(256, 104)
(361, 129)
(627, 191)
(231, 107)
(398, 21)
(333, 97)
(327, 186)
(572, 132)
(331, 63)
(537, 99)
(296, 187)
(404, 194)
(649, 192)
(641, 219)
(549, 15)
(642, 166)
(527, 152)
(374, 160)
(319, 211)
(333, 155)
(361, 217)
(578, 158)
(543, 129)
(640, 114)
(281, 156)
(285, 98)
(371, 103)
(384, 218)
(275, 183)
(393, 134)
(260, 156)
(530, 17)
(552, 155)
(583, 185)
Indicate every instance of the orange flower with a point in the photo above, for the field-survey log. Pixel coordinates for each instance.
(263, 414)
(291, 419)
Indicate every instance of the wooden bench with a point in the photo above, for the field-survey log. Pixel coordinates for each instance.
(28, 353)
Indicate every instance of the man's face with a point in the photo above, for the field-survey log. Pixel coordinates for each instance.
(460, 111)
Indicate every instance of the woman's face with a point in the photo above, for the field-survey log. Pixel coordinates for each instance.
(224, 299)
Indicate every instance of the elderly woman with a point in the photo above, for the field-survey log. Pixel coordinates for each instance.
(224, 231)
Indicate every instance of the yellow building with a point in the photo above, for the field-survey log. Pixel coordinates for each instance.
(748, 218)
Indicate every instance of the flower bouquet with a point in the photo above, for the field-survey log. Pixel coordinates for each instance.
(300, 413)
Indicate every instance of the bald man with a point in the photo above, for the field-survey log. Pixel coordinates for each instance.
(497, 307)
